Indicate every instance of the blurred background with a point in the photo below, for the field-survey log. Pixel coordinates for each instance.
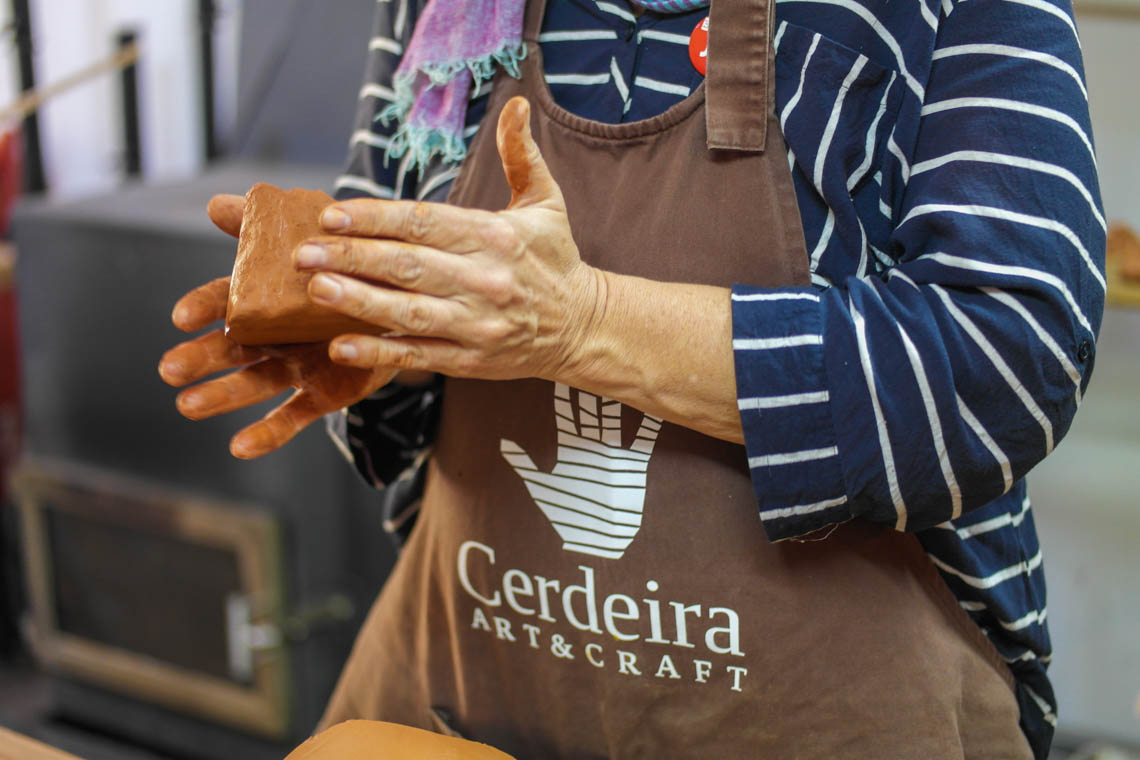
(244, 583)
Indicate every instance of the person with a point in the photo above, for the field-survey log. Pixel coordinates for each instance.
(598, 568)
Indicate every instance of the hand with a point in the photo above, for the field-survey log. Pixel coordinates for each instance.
(320, 385)
(595, 494)
(495, 295)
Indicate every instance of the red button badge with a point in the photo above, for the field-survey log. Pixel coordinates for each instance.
(699, 46)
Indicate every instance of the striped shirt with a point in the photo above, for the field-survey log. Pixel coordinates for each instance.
(943, 163)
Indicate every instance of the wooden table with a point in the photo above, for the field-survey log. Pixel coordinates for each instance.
(14, 746)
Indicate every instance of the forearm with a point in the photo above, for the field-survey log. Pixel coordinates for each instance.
(664, 348)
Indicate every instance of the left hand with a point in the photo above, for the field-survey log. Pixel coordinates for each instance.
(470, 293)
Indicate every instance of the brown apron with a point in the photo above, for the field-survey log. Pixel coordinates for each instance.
(587, 582)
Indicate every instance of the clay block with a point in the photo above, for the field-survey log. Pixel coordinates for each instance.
(269, 301)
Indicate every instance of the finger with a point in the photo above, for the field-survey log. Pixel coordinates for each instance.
(225, 211)
(237, 390)
(202, 305)
(403, 353)
(527, 174)
(405, 265)
(278, 427)
(396, 310)
(204, 356)
(439, 225)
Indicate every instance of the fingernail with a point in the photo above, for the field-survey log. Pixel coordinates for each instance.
(334, 219)
(189, 403)
(181, 316)
(325, 288)
(240, 449)
(171, 371)
(345, 351)
(310, 256)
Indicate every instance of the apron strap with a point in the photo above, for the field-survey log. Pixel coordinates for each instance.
(738, 92)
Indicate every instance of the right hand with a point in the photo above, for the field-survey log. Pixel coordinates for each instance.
(321, 386)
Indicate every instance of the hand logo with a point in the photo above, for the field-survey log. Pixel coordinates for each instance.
(595, 494)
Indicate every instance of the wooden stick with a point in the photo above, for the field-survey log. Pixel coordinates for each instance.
(33, 99)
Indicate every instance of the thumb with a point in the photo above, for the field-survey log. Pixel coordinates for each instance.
(527, 174)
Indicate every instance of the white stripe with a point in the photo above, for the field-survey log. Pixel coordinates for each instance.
(1000, 365)
(972, 606)
(877, 26)
(1045, 708)
(373, 90)
(653, 34)
(619, 82)
(369, 138)
(992, 524)
(1026, 621)
(1025, 567)
(581, 549)
(935, 423)
(795, 99)
(931, 21)
(824, 238)
(558, 514)
(629, 460)
(364, 185)
(775, 297)
(401, 18)
(947, 7)
(779, 36)
(961, 262)
(1052, 10)
(833, 119)
(436, 181)
(987, 441)
(667, 87)
(991, 212)
(880, 422)
(1045, 337)
(896, 151)
(1018, 162)
(801, 509)
(584, 538)
(872, 131)
(389, 45)
(602, 500)
(779, 402)
(578, 78)
(1013, 105)
(1012, 52)
(617, 11)
(792, 457)
(763, 344)
(582, 34)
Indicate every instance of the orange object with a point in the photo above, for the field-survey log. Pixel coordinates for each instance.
(1124, 249)
(374, 740)
(269, 300)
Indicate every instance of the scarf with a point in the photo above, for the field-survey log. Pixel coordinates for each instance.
(457, 45)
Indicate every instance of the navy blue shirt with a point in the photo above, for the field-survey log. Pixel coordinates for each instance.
(943, 164)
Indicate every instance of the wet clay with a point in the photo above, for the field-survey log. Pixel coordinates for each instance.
(375, 740)
(269, 301)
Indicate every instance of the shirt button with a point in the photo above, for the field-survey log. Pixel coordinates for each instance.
(1084, 351)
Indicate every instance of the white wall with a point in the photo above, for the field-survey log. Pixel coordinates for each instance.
(82, 130)
(1110, 50)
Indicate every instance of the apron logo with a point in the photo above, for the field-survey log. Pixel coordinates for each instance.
(595, 494)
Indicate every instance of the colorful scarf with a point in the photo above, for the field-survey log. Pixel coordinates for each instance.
(456, 46)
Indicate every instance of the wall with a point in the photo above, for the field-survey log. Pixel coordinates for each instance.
(82, 129)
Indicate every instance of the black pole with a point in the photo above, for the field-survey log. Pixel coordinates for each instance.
(206, 15)
(34, 181)
(129, 77)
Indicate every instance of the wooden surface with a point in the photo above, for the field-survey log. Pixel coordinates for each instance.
(13, 746)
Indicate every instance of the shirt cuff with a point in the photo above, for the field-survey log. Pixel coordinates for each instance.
(785, 410)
